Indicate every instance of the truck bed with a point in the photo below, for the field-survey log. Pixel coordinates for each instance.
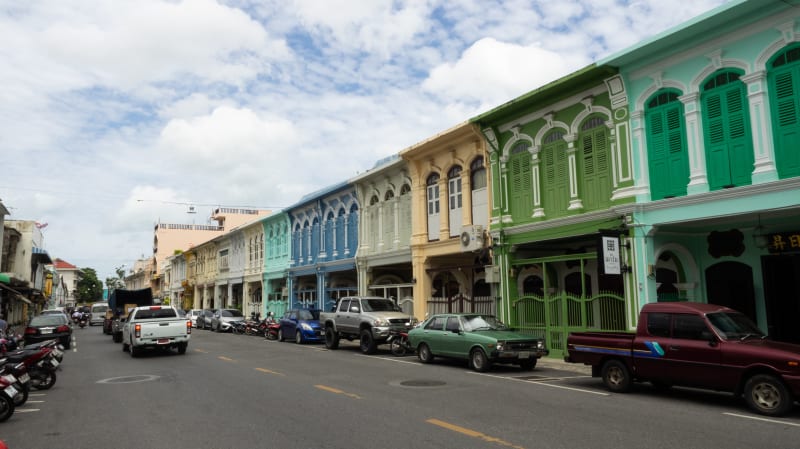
(590, 347)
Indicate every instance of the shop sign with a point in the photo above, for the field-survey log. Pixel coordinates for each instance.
(784, 242)
(611, 256)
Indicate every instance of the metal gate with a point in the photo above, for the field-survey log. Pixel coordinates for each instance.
(554, 317)
(461, 304)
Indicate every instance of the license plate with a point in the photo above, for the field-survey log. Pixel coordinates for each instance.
(10, 378)
(54, 362)
(524, 354)
(25, 378)
(163, 341)
(57, 352)
(47, 330)
(11, 391)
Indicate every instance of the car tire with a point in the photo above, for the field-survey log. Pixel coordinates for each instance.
(528, 365)
(367, 342)
(280, 334)
(331, 338)
(67, 343)
(124, 347)
(133, 351)
(182, 348)
(767, 395)
(298, 337)
(479, 361)
(424, 353)
(616, 376)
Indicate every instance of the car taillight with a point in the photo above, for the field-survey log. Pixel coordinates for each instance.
(63, 328)
(138, 330)
(188, 327)
(31, 331)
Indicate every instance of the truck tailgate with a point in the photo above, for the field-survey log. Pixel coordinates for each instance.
(154, 330)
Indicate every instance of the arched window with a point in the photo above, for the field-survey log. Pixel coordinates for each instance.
(432, 184)
(594, 159)
(726, 125)
(520, 185)
(374, 200)
(555, 174)
(405, 189)
(784, 89)
(667, 156)
(478, 173)
(480, 192)
(389, 195)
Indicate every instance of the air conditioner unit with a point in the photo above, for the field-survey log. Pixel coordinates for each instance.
(471, 238)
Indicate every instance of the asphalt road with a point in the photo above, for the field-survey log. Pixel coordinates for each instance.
(233, 391)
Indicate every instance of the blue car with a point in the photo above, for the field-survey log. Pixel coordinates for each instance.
(302, 325)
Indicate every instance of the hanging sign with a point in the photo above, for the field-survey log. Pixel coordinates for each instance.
(783, 242)
(611, 256)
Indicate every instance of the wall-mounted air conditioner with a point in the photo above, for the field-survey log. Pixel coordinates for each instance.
(471, 238)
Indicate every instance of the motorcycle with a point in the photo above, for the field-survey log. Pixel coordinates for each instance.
(238, 327)
(9, 341)
(41, 364)
(272, 330)
(83, 320)
(399, 344)
(17, 375)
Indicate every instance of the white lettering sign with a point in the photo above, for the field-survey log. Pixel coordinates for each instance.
(611, 259)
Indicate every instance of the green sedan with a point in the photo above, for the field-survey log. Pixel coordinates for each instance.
(480, 339)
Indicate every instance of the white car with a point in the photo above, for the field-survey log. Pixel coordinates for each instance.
(222, 318)
(192, 316)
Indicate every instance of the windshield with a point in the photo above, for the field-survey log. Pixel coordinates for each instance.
(482, 323)
(380, 305)
(233, 312)
(48, 320)
(734, 325)
(308, 314)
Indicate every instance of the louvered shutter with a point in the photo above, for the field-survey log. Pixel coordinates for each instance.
(785, 98)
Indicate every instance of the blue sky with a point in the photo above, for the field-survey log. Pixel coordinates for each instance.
(114, 114)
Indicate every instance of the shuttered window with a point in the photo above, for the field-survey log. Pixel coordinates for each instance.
(668, 160)
(555, 180)
(519, 169)
(784, 86)
(593, 152)
(726, 122)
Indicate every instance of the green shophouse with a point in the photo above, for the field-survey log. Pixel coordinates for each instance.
(562, 180)
(277, 245)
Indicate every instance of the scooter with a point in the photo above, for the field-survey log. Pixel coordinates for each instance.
(18, 376)
(83, 320)
(7, 393)
(41, 364)
(272, 330)
(399, 344)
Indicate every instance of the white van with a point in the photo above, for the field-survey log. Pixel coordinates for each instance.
(98, 312)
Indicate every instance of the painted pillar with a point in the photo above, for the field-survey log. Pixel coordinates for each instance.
(698, 178)
(765, 169)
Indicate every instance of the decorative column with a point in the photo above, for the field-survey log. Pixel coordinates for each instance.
(698, 178)
(538, 210)
(575, 202)
(765, 169)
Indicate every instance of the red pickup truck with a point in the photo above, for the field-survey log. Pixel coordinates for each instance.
(695, 345)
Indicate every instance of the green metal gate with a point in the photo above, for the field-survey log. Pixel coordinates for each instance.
(553, 317)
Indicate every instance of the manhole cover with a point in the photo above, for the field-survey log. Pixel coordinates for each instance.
(531, 377)
(129, 379)
(422, 383)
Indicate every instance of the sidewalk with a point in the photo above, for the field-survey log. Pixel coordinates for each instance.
(560, 364)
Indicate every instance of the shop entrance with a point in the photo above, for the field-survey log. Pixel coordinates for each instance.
(782, 296)
(730, 284)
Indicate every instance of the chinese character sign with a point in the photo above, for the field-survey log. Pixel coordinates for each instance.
(784, 242)
(611, 257)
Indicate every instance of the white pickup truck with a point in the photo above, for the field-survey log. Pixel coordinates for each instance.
(155, 327)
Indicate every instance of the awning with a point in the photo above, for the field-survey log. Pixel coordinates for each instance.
(5, 278)
(16, 295)
(40, 255)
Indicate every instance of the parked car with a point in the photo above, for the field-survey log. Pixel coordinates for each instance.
(48, 327)
(203, 320)
(301, 324)
(108, 322)
(192, 316)
(55, 312)
(480, 339)
(221, 319)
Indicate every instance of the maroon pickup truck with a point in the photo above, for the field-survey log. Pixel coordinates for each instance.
(695, 345)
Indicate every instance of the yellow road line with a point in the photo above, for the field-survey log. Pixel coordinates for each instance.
(225, 358)
(201, 350)
(472, 433)
(264, 370)
(337, 391)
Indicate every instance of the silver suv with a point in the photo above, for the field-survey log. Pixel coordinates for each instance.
(370, 319)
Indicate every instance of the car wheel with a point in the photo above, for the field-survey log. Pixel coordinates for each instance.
(767, 395)
(280, 335)
(528, 365)
(424, 353)
(182, 348)
(616, 376)
(66, 343)
(298, 337)
(124, 347)
(331, 338)
(367, 345)
(133, 351)
(479, 361)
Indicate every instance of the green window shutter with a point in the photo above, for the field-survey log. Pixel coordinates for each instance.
(785, 102)
(668, 160)
(729, 147)
(596, 173)
(521, 202)
(555, 196)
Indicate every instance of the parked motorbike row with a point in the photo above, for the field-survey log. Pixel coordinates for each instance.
(23, 368)
(267, 328)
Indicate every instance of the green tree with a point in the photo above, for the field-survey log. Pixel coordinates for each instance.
(90, 289)
(113, 283)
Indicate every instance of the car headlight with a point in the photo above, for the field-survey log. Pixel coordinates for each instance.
(413, 322)
(305, 327)
(540, 344)
(380, 322)
(500, 345)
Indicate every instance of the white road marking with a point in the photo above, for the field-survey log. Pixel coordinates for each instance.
(757, 418)
(25, 410)
(538, 382)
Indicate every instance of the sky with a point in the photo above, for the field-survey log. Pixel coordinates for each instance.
(116, 115)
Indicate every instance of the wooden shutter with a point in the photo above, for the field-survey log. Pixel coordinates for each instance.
(784, 89)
